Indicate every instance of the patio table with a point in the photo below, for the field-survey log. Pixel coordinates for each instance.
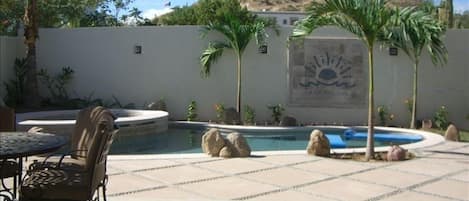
(16, 145)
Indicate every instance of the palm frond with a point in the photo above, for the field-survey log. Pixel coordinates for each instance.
(414, 30)
(210, 56)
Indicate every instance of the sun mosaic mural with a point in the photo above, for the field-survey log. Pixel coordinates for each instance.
(327, 72)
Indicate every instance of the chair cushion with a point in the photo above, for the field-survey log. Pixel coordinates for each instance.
(56, 184)
(67, 163)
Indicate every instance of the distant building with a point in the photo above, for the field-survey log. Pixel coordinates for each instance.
(283, 18)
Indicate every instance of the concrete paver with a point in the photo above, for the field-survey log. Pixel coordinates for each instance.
(228, 188)
(414, 196)
(128, 182)
(345, 189)
(449, 188)
(332, 167)
(179, 174)
(285, 176)
(289, 195)
(390, 177)
(439, 173)
(234, 165)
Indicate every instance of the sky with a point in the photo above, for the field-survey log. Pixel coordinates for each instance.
(150, 8)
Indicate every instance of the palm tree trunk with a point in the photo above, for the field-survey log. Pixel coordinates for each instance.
(449, 10)
(238, 98)
(414, 96)
(370, 147)
(31, 93)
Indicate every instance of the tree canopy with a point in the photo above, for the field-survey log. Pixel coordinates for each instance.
(67, 13)
(205, 11)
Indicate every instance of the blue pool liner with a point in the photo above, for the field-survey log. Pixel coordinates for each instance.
(336, 141)
(397, 137)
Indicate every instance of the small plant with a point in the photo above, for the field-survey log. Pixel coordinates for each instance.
(118, 104)
(382, 114)
(57, 85)
(220, 110)
(192, 111)
(276, 112)
(408, 102)
(15, 88)
(441, 118)
(249, 115)
(161, 105)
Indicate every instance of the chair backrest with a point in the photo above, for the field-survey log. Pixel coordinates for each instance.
(7, 119)
(97, 156)
(94, 133)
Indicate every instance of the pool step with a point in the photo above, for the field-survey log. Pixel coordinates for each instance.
(399, 137)
(336, 141)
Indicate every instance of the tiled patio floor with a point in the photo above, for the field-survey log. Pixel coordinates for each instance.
(438, 173)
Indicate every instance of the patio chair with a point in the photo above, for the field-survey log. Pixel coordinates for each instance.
(7, 119)
(79, 142)
(8, 168)
(61, 183)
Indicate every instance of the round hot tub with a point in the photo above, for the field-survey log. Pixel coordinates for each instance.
(62, 122)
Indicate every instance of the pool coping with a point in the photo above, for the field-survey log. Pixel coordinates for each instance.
(429, 140)
(138, 116)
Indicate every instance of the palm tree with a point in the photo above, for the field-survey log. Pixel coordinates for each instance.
(414, 31)
(237, 36)
(368, 20)
(31, 93)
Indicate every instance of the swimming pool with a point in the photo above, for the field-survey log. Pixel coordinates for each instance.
(187, 139)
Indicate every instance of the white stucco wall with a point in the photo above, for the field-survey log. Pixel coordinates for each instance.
(10, 48)
(105, 65)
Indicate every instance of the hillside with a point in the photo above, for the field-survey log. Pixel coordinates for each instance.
(299, 5)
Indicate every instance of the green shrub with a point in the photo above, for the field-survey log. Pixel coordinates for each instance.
(382, 114)
(441, 118)
(15, 88)
(249, 115)
(220, 110)
(277, 111)
(57, 85)
(192, 111)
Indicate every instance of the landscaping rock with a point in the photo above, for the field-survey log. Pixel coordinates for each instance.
(288, 121)
(452, 133)
(231, 116)
(226, 152)
(426, 124)
(240, 147)
(396, 153)
(318, 144)
(212, 142)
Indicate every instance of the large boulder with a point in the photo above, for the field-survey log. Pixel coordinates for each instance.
(396, 153)
(239, 145)
(226, 152)
(452, 133)
(318, 144)
(231, 116)
(212, 142)
(288, 121)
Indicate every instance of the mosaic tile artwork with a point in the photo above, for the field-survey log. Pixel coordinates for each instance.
(328, 72)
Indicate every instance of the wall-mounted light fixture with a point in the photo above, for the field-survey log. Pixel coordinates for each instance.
(137, 49)
(393, 51)
(263, 49)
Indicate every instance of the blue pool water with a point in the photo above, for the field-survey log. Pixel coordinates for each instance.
(188, 140)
